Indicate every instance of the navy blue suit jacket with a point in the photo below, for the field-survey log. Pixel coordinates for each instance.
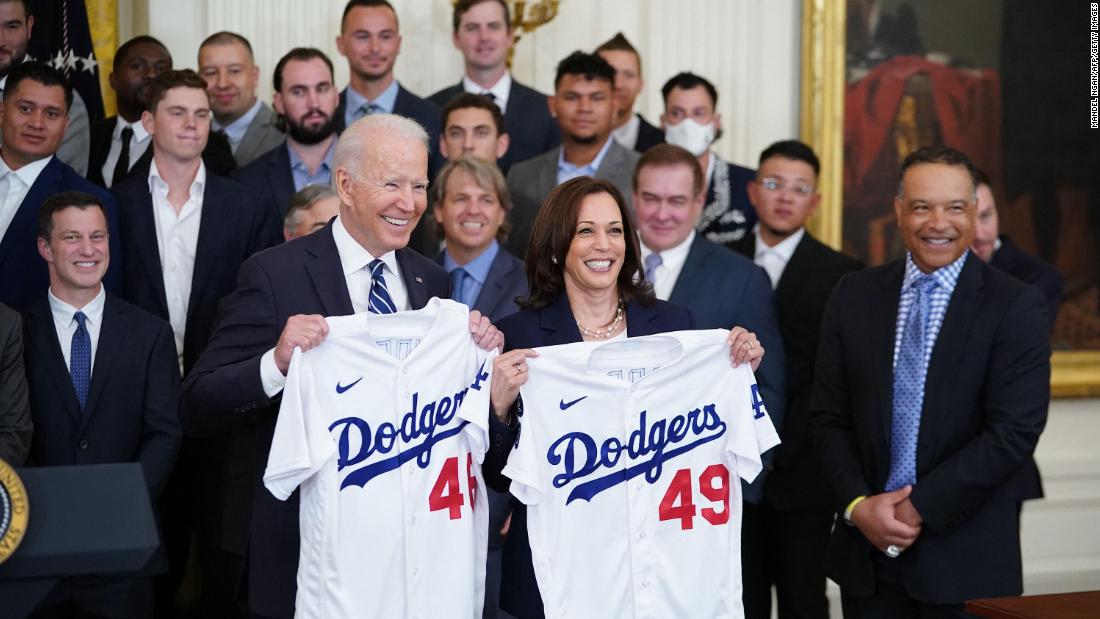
(224, 394)
(270, 178)
(726, 290)
(234, 226)
(531, 129)
(551, 325)
(506, 281)
(24, 277)
(131, 413)
(986, 396)
(1031, 270)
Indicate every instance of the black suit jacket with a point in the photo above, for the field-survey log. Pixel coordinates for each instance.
(724, 290)
(16, 427)
(985, 403)
(506, 281)
(648, 136)
(24, 277)
(531, 129)
(218, 154)
(224, 394)
(270, 178)
(1031, 270)
(549, 326)
(234, 225)
(131, 413)
(796, 481)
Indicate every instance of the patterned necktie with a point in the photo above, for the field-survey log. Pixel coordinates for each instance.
(367, 109)
(909, 375)
(80, 359)
(458, 282)
(379, 301)
(122, 166)
(652, 261)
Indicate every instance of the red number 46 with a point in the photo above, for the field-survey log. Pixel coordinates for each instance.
(678, 502)
(446, 493)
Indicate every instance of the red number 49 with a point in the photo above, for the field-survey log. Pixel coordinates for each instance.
(678, 503)
(446, 493)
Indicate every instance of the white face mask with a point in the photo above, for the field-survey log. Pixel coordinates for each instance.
(691, 136)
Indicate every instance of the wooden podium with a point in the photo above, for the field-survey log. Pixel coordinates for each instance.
(1077, 605)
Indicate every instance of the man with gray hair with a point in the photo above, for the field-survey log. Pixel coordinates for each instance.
(309, 210)
(283, 296)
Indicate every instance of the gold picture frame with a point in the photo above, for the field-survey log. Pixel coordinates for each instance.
(1075, 374)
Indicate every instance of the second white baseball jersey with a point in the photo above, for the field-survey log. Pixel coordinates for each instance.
(392, 520)
(628, 460)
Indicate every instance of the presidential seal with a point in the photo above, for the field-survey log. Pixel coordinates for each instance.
(14, 510)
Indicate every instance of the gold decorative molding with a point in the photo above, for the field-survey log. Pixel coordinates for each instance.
(1075, 374)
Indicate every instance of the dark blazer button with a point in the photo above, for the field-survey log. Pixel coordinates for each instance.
(83, 444)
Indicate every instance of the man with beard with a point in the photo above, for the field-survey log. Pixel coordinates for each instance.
(306, 99)
(113, 158)
(584, 107)
(17, 21)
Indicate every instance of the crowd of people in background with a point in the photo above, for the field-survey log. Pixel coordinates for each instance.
(133, 262)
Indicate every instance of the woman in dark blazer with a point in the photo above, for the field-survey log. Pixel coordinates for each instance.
(584, 274)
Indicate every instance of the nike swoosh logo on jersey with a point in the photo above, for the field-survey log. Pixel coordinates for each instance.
(564, 405)
(340, 388)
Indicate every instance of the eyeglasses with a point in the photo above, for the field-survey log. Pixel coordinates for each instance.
(773, 184)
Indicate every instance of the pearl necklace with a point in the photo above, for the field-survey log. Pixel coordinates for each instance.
(602, 333)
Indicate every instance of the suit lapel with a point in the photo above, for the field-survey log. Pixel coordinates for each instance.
(640, 319)
(49, 350)
(557, 319)
(796, 271)
(881, 329)
(26, 215)
(413, 276)
(691, 274)
(208, 247)
(250, 141)
(493, 289)
(112, 334)
(612, 161)
(548, 174)
(327, 273)
(139, 212)
(280, 176)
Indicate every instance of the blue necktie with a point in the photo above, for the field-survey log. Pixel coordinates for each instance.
(909, 375)
(367, 109)
(458, 282)
(652, 261)
(80, 359)
(380, 301)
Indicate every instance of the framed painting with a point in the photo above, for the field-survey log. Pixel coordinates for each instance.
(1006, 81)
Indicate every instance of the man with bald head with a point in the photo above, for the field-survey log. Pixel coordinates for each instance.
(381, 177)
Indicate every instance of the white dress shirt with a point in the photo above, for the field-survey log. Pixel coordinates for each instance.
(775, 259)
(14, 185)
(139, 142)
(65, 324)
(500, 90)
(354, 262)
(627, 135)
(177, 243)
(672, 262)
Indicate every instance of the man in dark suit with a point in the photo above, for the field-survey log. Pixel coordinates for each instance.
(928, 463)
(371, 40)
(306, 99)
(279, 304)
(584, 108)
(35, 111)
(690, 121)
(16, 427)
(631, 129)
(786, 534)
(482, 31)
(137, 62)
(722, 289)
(185, 233)
(231, 74)
(104, 385)
(1000, 251)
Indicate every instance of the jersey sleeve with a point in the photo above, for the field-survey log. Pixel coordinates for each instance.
(522, 467)
(475, 405)
(751, 432)
(301, 444)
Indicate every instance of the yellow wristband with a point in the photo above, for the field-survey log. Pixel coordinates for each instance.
(852, 506)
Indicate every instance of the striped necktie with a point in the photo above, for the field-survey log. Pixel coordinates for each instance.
(379, 301)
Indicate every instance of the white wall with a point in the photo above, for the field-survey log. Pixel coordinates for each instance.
(731, 42)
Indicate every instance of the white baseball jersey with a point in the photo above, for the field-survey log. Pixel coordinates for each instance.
(393, 522)
(628, 460)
